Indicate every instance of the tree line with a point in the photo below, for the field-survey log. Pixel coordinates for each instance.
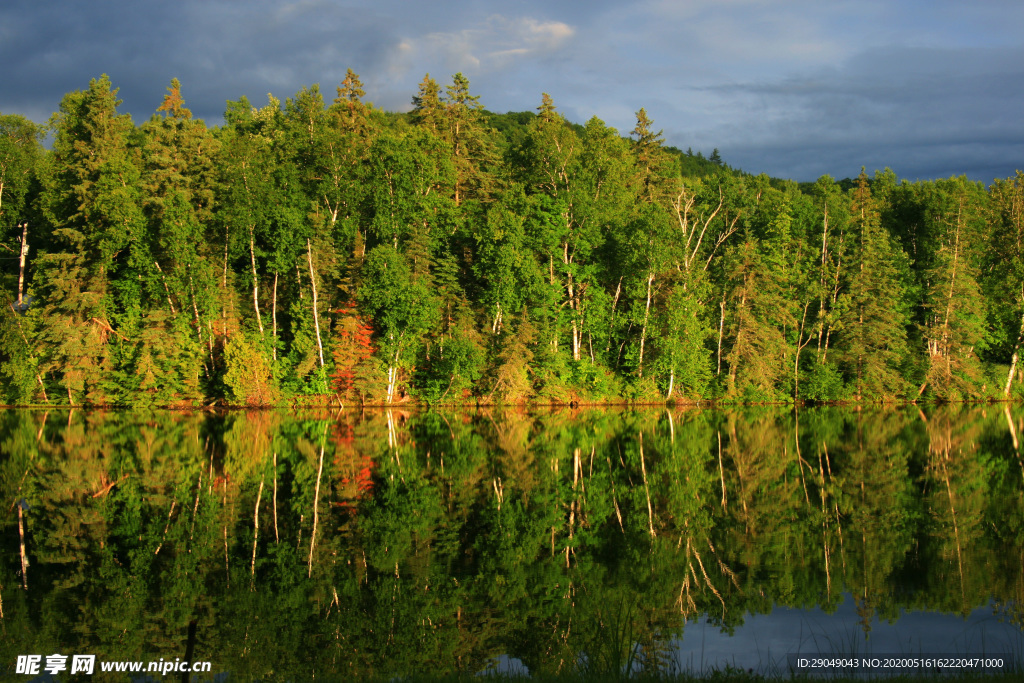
(315, 251)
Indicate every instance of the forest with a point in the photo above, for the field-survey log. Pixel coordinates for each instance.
(313, 252)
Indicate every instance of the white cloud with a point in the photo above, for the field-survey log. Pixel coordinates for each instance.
(496, 43)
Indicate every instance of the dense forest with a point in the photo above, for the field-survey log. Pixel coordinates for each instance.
(314, 252)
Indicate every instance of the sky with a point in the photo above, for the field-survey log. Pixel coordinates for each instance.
(796, 89)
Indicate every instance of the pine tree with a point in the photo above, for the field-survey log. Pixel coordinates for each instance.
(761, 313)
(650, 157)
(93, 283)
(472, 150)
(177, 183)
(954, 326)
(349, 104)
(874, 337)
(427, 110)
(547, 110)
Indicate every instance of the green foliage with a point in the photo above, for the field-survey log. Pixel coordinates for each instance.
(579, 540)
(247, 374)
(20, 153)
(825, 383)
(453, 366)
(874, 339)
(496, 257)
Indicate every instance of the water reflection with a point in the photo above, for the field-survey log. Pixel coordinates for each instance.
(385, 543)
(766, 642)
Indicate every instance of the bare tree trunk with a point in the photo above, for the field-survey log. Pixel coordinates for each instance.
(23, 256)
(256, 529)
(163, 279)
(24, 557)
(496, 325)
(799, 348)
(195, 310)
(615, 501)
(835, 299)
(166, 528)
(575, 500)
(647, 491)
(277, 539)
(316, 314)
(643, 331)
(393, 372)
(735, 362)
(195, 510)
(821, 280)
(721, 330)
(255, 281)
(721, 470)
(316, 511)
(574, 310)
(223, 292)
(1013, 359)
(273, 348)
(949, 299)
(227, 570)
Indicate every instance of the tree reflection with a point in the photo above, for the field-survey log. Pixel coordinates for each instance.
(388, 542)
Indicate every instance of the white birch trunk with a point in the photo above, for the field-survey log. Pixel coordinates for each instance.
(316, 314)
(316, 511)
(255, 282)
(643, 332)
(255, 530)
(1013, 360)
(273, 307)
(23, 256)
(24, 557)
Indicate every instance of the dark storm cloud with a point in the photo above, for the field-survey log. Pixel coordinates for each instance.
(219, 51)
(925, 112)
(795, 89)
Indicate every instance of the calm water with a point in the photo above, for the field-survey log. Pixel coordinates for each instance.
(393, 542)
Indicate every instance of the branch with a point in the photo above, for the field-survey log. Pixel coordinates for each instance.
(106, 489)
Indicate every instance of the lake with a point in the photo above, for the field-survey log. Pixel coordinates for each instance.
(388, 542)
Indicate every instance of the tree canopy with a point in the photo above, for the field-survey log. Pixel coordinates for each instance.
(314, 251)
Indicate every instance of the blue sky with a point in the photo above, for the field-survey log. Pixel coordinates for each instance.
(795, 89)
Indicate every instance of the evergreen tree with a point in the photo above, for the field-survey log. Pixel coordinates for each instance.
(427, 110)
(473, 151)
(650, 156)
(954, 325)
(93, 284)
(759, 309)
(177, 184)
(349, 105)
(874, 338)
(548, 113)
